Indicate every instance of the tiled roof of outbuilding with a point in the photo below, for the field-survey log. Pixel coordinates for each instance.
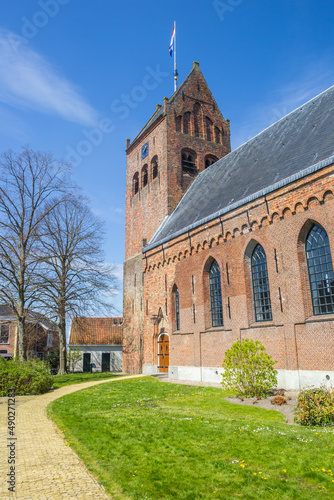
(293, 147)
(96, 331)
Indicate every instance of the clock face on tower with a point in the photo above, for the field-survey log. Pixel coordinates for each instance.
(144, 150)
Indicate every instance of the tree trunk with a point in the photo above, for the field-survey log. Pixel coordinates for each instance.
(62, 347)
(21, 349)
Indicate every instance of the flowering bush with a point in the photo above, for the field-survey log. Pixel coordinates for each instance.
(248, 369)
(315, 407)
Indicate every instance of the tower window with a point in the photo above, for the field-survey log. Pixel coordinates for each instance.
(209, 125)
(189, 163)
(154, 166)
(260, 281)
(186, 122)
(209, 160)
(144, 176)
(135, 183)
(320, 270)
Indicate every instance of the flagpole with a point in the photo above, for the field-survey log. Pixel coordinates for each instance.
(175, 68)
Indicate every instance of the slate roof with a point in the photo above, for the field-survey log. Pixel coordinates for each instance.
(6, 314)
(298, 144)
(96, 331)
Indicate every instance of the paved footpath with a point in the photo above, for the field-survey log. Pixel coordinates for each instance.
(46, 468)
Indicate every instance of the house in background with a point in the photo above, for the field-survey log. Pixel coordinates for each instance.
(41, 334)
(100, 341)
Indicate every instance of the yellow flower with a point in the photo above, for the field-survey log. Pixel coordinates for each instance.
(255, 473)
(284, 470)
(260, 472)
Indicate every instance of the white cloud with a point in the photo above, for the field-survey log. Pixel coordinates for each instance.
(27, 80)
(315, 79)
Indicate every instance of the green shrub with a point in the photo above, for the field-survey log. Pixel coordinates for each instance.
(248, 369)
(27, 377)
(315, 407)
(52, 360)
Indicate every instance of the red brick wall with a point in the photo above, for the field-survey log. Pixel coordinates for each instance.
(146, 210)
(295, 338)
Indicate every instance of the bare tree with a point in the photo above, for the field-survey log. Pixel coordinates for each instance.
(31, 186)
(76, 281)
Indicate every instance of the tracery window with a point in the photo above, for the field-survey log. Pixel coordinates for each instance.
(261, 292)
(320, 270)
(144, 176)
(216, 295)
(178, 123)
(135, 183)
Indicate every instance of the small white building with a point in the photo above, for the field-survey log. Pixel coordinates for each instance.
(100, 340)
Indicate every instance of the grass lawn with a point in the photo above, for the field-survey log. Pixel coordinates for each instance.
(78, 378)
(146, 439)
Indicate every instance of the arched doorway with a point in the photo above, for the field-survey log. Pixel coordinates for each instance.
(163, 353)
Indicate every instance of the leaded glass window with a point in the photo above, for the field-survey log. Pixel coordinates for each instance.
(216, 295)
(320, 270)
(177, 309)
(260, 281)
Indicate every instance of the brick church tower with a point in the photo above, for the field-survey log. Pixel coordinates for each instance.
(182, 138)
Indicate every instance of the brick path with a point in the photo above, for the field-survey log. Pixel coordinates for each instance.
(46, 468)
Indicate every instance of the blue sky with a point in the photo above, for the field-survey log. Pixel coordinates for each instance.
(78, 77)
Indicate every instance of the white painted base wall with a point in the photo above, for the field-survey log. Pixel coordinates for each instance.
(286, 379)
(96, 351)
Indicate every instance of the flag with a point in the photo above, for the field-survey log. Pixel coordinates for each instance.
(171, 47)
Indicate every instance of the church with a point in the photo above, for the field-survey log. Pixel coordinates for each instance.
(223, 246)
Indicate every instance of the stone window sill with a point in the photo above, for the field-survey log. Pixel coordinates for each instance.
(320, 318)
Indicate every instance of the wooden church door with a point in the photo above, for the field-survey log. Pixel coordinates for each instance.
(163, 353)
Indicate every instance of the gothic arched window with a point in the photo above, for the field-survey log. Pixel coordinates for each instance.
(209, 160)
(320, 270)
(216, 295)
(188, 162)
(135, 183)
(176, 308)
(260, 281)
(154, 167)
(144, 176)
